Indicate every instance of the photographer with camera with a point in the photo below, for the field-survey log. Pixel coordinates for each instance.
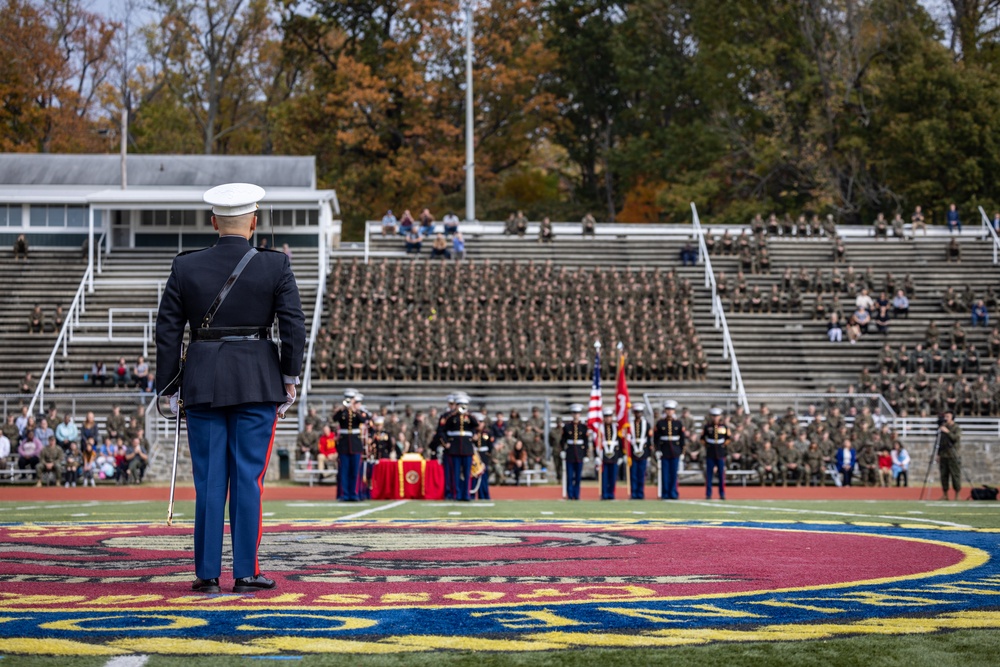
(949, 462)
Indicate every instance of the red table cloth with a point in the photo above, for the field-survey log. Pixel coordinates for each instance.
(420, 480)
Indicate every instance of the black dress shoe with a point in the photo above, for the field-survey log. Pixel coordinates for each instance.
(252, 584)
(206, 586)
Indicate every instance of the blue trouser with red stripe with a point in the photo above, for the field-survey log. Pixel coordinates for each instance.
(230, 449)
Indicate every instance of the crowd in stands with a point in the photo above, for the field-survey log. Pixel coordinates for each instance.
(69, 453)
(515, 321)
(942, 372)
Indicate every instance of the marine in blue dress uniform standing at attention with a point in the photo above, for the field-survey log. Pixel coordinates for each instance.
(235, 383)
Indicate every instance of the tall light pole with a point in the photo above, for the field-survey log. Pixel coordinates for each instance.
(470, 157)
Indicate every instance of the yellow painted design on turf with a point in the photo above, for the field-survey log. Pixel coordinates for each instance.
(100, 623)
(529, 619)
(181, 646)
(345, 623)
(679, 615)
(472, 643)
(321, 645)
(50, 646)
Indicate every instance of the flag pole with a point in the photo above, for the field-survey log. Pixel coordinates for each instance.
(628, 416)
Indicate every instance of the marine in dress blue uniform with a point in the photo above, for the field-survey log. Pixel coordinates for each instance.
(460, 432)
(235, 381)
(485, 447)
(610, 452)
(716, 437)
(351, 423)
(439, 446)
(669, 439)
(573, 443)
(642, 442)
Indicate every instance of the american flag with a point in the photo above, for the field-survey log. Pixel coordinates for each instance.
(595, 421)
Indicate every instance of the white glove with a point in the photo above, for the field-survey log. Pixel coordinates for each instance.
(290, 395)
(621, 460)
(659, 455)
(174, 408)
(563, 455)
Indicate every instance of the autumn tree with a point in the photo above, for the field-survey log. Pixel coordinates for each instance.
(53, 60)
(207, 54)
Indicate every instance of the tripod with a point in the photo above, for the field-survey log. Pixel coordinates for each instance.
(930, 463)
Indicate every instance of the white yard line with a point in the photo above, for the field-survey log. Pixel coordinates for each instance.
(127, 661)
(801, 511)
(358, 515)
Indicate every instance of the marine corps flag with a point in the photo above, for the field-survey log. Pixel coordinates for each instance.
(623, 411)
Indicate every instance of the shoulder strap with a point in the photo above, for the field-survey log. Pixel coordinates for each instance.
(206, 321)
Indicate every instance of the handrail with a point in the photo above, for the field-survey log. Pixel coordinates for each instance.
(988, 225)
(72, 314)
(100, 253)
(728, 350)
(321, 274)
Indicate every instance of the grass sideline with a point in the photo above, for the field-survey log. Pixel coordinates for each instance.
(961, 647)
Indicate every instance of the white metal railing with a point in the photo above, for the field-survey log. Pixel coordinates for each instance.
(990, 232)
(728, 351)
(146, 324)
(972, 427)
(326, 225)
(77, 307)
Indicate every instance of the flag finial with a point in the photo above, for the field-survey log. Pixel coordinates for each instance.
(621, 346)
(597, 345)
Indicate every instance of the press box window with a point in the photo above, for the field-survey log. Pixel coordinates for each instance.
(162, 218)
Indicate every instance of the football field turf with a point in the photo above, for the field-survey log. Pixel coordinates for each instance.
(512, 582)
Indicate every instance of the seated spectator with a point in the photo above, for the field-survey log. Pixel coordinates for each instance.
(980, 316)
(263, 245)
(954, 223)
(954, 251)
(50, 464)
(327, 450)
(99, 373)
(863, 319)
(884, 467)
(996, 222)
(863, 300)
(390, 225)
(853, 330)
(90, 430)
(520, 223)
(426, 222)
(67, 433)
(21, 248)
(689, 254)
(545, 234)
(106, 459)
(898, 227)
(900, 306)
(36, 320)
(42, 430)
(414, 241)
(440, 247)
(846, 461)
(287, 250)
(4, 448)
(71, 466)
(458, 245)
(589, 224)
(58, 318)
(121, 462)
(881, 227)
(141, 376)
(123, 377)
(517, 461)
(136, 459)
(88, 464)
(881, 320)
(510, 226)
(450, 224)
(917, 220)
(405, 223)
(900, 465)
(27, 384)
(28, 451)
